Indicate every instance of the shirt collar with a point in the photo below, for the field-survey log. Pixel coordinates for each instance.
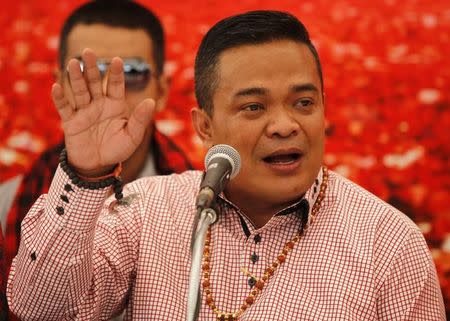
(302, 206)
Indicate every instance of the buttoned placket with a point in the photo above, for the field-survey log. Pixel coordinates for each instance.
(255, 256)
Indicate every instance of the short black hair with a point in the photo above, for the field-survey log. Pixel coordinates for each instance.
(116, 13)
(254, 27)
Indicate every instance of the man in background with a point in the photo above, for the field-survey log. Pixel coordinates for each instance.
(111, 28)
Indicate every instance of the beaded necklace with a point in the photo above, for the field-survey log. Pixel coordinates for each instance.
(268, 272)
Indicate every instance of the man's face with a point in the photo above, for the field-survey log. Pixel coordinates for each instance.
(269, 106)
(108, 42)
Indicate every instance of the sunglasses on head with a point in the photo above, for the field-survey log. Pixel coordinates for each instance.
(137, 72)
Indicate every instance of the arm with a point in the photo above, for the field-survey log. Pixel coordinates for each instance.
(79, 263)
(411, 289)
(36, 182)
(76, 258)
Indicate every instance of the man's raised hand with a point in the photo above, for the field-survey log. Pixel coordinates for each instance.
(100, 130)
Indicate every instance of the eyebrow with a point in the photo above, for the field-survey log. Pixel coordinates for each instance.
(303, 87)
(260, 91)
(252, 91)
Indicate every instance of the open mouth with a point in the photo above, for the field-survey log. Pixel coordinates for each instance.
(282, 159)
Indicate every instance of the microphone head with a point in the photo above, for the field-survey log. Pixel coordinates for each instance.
(226, 152)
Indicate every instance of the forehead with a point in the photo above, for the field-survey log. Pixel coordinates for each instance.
(108, 42)
(272, 65)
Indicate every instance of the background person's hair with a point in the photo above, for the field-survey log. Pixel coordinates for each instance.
(116, 13)
(254, 27)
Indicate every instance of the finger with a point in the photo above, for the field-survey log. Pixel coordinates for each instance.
(91, 73)
(62, 104)
(80, 91)
(115, 87)
(140, 120)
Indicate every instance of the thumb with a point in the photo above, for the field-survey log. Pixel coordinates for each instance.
(140, 120)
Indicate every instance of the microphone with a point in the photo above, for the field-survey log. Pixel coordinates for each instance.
(222, 163)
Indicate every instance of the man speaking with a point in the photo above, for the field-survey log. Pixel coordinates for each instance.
(293, 241)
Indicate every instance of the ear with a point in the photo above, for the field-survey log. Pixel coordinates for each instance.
(202, 123)
(163, 92)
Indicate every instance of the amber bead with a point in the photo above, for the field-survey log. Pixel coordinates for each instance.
(260, 284)
(281, 258)
(250, 299)
(270, 271)
(205, 283)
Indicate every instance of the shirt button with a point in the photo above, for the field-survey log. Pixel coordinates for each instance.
(68, 188)
(251, 282)
(257, 238)
(33, 256)
(60, 210)
(254, 258)
(64, 198)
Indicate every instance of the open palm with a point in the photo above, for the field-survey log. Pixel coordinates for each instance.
(99, 130)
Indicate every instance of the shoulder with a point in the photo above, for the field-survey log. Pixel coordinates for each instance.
(164, 204)
(372, 226)
(368, 220)
(365, 207)
(186, 179)
(167, 188)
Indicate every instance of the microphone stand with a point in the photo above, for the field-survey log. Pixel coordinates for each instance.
(207, 217)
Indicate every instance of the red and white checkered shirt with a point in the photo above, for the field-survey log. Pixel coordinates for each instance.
(84, 259)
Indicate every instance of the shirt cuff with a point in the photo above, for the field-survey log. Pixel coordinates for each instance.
(73, 207)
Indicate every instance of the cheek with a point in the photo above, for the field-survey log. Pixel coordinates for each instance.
(316, 140)
(134, 98)
(314, 129)
(235, 133)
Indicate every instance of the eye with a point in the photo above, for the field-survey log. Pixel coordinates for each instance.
(253, 107)
(304, 102)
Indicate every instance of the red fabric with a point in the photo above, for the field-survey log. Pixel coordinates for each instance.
(3, 279)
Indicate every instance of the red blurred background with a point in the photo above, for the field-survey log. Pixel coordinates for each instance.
(387, 85)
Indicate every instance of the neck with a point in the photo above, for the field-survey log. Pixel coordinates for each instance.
(258, 212)
(260, 219)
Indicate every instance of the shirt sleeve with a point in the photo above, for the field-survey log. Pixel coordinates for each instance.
(76, 257)
(411, 289)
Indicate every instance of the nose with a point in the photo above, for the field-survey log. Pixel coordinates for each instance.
(282, 123)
